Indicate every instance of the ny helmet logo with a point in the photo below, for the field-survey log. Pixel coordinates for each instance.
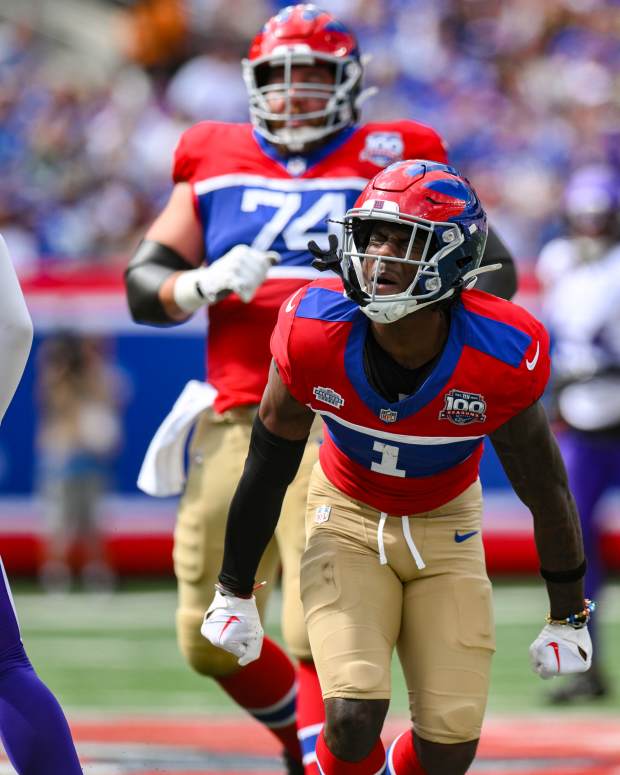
(463, 408)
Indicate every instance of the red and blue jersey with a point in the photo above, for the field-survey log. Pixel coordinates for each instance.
(246, 193)
(416, 454)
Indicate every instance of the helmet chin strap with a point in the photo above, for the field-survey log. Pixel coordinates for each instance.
(469, 278)
(296, 139)
(365, 94)
(390, 312)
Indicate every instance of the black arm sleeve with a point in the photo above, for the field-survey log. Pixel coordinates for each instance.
(152, 263)
(503, 282)
(270, 467)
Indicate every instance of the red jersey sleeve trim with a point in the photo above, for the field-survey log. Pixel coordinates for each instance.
(280, 338)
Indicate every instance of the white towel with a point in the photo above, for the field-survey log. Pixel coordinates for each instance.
(163, 468)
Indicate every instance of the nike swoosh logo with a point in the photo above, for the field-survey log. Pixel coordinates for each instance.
(460, 537)
(530, 364)
(289, 307)
(553, 644)
(229, 621)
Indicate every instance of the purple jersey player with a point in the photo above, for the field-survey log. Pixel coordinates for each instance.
(580, 273)
(33, 728)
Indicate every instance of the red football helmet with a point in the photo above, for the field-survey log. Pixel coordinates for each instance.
(448, 231)
(303, 35)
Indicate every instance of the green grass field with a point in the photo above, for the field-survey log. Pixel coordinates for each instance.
(118, 654)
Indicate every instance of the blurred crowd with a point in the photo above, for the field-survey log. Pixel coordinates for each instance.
(524, 92)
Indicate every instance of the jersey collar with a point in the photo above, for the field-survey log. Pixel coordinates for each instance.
(432, 385)
(297, 164)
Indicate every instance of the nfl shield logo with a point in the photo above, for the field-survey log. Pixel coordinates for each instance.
(322, 514)
(388, 415)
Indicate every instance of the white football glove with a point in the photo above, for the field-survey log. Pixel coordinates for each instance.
(233, 624)
(560, 650)
(242, 270)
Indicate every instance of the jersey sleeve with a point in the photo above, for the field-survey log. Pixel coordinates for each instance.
(283, 347)
(425, 143)
(188, 154)
(536, 365)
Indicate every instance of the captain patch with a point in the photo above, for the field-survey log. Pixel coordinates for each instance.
(328, 396)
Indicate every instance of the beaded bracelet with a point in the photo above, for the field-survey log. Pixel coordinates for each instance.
(576, 621)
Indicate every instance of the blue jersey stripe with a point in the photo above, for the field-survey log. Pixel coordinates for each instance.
(499, 340)
(414, 460)
(248, 210)
(403, 438)
(328, 305)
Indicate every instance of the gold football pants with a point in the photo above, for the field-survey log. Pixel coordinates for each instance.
(217, 455)
(439, 617)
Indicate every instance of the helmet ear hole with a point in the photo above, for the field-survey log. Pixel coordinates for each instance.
(361, 234)
(464, 261)
(261, 74)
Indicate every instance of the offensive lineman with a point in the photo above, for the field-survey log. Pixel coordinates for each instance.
(421, 369)
(246, 197)
(33, 728)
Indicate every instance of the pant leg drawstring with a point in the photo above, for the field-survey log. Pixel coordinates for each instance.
(382, 557)
(408, 538)
(412, 547)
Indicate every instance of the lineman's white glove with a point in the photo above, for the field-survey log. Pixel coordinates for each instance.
(239, 271)
(561, 649)
(233, 624)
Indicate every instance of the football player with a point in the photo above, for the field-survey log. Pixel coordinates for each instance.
(247, 198)
(580, 274)
(421, 368)
(33, 728)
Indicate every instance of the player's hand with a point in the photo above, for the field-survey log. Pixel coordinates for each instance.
(233, 624)
(242, 270)
(328, 258)
(246, 269)
(560, 650)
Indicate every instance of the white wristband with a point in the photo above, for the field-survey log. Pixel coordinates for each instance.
(186, 291)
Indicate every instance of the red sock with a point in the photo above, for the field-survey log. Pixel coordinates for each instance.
(310, 715)
(332, 765)
(402, 758)
(267, 688)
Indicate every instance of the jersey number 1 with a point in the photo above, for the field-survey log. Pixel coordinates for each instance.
(389, 459)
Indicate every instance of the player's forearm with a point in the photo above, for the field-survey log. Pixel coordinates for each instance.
(559, 543)
(167, 300)
(15, 330)
(557, 531)
(531, 459)
(270, 467)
